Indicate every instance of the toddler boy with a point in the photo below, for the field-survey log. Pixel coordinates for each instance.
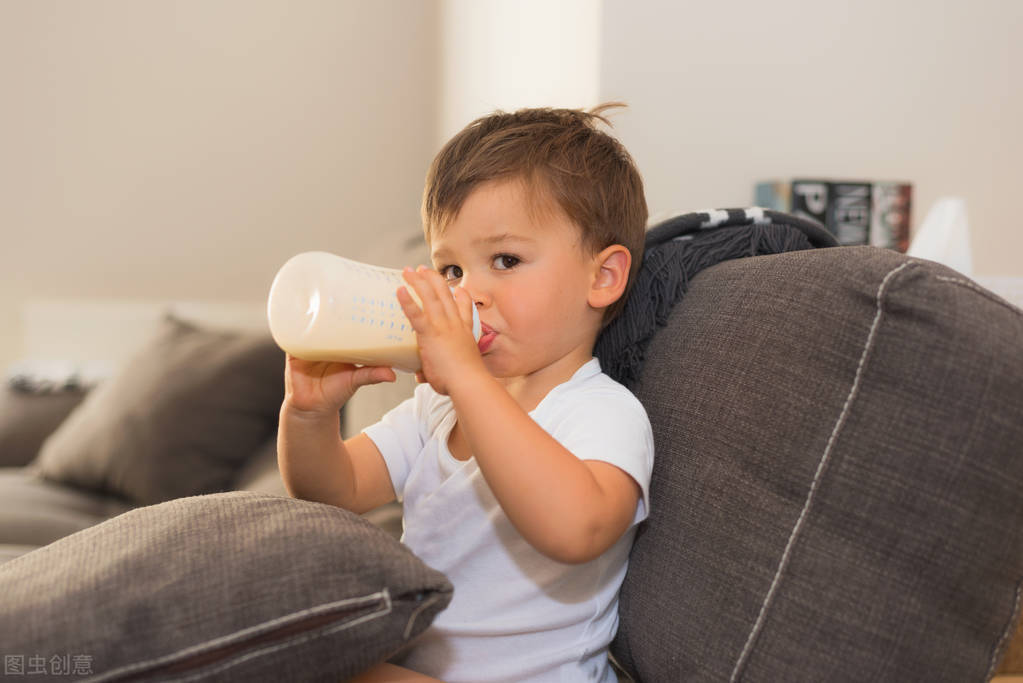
(522, 469)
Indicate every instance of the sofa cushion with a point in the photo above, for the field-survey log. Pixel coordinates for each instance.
(261, 475)
(27, 418)
(34, 511)
(838, 484)
(233, 586)
(178, 419)
(8, 551)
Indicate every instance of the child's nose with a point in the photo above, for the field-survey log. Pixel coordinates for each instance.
(479, 297)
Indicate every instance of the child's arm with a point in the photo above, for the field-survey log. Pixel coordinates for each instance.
(569, 509)
(315, 463)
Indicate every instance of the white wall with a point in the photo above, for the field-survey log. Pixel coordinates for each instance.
(184, 150)
(726, 93)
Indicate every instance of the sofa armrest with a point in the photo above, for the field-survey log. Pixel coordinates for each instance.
(838, 480)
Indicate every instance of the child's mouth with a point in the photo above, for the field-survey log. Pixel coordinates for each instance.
(486, 338)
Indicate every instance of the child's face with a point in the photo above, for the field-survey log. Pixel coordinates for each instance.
(529, 276)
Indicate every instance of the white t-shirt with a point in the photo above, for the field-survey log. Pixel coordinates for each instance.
(516, 615)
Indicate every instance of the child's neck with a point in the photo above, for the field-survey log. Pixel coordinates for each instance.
(529, 390)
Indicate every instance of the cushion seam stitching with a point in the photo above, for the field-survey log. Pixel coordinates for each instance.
(991, 296)
(415, 614)
(128, 669)
(294, 640)
(818, 474)
(1013, 616)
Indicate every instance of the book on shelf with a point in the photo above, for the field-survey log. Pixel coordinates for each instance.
(849, 212)
(889, 215)
(810, 199)
(855, 212)
(776, 195)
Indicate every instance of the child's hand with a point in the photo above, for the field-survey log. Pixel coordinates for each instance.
(443, 328)
(323, 387)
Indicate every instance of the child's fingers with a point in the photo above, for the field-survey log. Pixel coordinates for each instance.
(409, 306)
(445, 295)
(373, 374)
(420, 283)
(463, 302)
(405, 299)
(439, 294)
(433, 292)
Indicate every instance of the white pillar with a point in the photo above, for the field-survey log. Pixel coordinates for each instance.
(509, 54)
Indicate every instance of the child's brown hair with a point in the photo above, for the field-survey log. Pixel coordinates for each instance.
(561, 155)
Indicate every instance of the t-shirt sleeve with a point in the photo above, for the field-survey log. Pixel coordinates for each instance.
(400, 437)
(610, 425)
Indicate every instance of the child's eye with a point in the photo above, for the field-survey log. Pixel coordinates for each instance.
(505, 261)
(450, 272)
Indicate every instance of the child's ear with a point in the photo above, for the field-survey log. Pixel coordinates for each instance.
(611, 276)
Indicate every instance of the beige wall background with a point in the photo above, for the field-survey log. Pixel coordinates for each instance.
(186, 149)
(183, 150)
(726, 93)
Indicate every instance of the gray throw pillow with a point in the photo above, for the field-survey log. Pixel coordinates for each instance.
(232, 586)
(27, 419)
(178, 419)
(837, 491)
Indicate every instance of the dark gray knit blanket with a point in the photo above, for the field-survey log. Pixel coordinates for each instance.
(675, 251)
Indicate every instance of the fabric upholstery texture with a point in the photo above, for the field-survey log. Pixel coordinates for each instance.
(27, 418)
(229, 586)
(34, 511)
(178, 419)
(838, 482)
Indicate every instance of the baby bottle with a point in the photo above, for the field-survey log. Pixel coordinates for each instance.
(325, 307)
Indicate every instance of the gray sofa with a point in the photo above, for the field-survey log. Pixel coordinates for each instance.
(193, 411)
(837, 495)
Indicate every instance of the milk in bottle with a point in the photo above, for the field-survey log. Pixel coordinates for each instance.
(326, 307)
